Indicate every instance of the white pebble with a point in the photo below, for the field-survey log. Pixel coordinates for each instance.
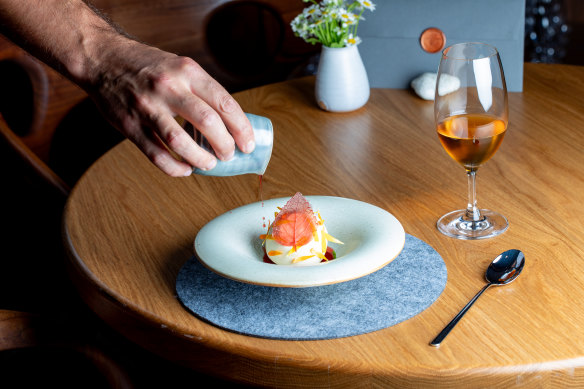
(425, 85)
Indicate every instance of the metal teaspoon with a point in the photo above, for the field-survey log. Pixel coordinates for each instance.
(504, 269)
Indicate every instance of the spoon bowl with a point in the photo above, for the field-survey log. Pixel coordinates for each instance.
(504, 269)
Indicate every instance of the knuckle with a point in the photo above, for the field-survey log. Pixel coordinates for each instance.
(160, 160)
(227, 103)
(161, 81)
(142, 102)
(188, 64)
(207, 118)
(129, 126)
(145, 110)
(175, 140)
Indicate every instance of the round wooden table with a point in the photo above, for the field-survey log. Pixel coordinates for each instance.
(129, 229)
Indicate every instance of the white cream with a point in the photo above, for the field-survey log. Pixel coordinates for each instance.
(314, 246)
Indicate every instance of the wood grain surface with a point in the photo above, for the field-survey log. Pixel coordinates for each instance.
(129, 229)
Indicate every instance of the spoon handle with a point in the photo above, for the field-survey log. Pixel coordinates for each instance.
(436, 342)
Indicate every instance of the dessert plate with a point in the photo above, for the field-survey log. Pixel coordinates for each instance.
(230, 245)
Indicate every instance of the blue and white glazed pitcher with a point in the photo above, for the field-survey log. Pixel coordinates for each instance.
(255, 162)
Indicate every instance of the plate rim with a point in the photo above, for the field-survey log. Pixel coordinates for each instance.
(294, 283)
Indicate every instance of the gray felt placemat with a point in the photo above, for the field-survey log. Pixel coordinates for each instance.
(402, 289)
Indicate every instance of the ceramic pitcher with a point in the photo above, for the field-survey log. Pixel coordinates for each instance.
(241, 163)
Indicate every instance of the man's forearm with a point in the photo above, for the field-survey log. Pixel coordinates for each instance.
(66, 34)
(139, 88)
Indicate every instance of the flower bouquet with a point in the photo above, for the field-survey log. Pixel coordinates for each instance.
(341, 81)
(333, 23)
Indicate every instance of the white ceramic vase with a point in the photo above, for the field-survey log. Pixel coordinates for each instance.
(341, 81)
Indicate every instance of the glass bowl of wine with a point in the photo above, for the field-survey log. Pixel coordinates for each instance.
(471, 122)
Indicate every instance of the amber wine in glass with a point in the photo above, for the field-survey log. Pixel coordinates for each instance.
(471, 113)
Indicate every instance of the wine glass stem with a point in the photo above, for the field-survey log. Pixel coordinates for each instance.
(472, 211)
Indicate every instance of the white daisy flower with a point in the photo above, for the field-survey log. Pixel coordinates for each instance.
(332, 23)
(299, 26)
(367, 4)
(312, 12)
(352, 41)
(347, 19)
(335, 12)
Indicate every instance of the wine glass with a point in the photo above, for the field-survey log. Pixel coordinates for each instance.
(471, 114)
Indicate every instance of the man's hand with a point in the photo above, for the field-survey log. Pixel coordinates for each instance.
(142, 89)
(139, 88)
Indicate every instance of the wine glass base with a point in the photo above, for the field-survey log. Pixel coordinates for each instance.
(453, 224)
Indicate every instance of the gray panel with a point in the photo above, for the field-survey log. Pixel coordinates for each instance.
(391, 50)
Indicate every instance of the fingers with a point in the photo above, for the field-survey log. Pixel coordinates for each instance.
(143, 103)
(236, 121)
(208, 122)
(202, 101)
(178, 141)
(160, 156)
(224, 105)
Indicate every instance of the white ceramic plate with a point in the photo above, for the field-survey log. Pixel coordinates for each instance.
(230, 245)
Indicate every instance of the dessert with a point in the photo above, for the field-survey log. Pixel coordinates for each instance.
(298, 236)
